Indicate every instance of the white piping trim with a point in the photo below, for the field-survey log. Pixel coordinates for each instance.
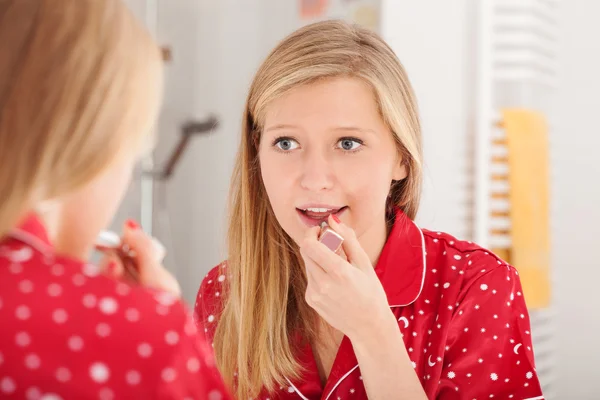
(31, 240)
(296, 390)
(340, 381)
(424, 270)
(535, 398)
(401, 305)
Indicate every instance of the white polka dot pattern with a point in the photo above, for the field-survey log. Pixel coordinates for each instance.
(32, 361)
(99, 372)
(466, 333)
(172, 337)
(7, 385)
(33, 393)
(75, 343)
(133, 378)
(66, 326)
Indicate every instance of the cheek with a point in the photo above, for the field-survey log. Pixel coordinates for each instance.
(280, 186)
(366, 187)
(276, 179)
(106, 193)
(92, 208)
(366, 182)
(366, 199)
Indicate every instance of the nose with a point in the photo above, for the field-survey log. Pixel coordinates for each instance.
(317, 172)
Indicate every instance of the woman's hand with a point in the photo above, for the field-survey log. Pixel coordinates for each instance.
(349, 297)
(140, 260)
(346, 294)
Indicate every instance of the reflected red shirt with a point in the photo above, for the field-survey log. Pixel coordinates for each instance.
(67, 332)
(460, 310)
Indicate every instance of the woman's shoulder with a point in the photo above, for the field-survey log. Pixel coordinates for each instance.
(210, 297)
(463, 262)
(443, 248)
(473, 302)
(73, 292)
(106, 328)
(213, 284)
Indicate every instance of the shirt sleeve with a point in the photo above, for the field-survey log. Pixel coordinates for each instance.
(199, 315)
(209, 302)
(489, 351)
(194, 373)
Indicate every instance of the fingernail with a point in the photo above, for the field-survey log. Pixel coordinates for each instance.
(336, 219)
(131, 224)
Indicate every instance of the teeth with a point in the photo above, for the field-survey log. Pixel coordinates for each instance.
(319, 210)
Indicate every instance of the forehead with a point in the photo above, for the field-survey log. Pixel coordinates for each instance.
(335, 101)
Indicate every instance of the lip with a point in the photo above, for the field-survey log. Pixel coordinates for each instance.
(318, 205)
(310, 222)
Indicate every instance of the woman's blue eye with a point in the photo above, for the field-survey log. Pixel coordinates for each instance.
(286, 144)
(349, 144)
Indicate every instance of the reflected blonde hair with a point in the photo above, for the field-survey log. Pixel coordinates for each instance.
(265, 305)
(80, 84)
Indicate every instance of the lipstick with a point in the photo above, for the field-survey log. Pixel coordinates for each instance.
(330, 238)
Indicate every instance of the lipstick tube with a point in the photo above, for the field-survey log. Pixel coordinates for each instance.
(330, 238)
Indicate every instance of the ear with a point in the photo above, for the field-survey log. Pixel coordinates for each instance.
(400, 170)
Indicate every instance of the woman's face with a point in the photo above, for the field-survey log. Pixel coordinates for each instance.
(325, 149)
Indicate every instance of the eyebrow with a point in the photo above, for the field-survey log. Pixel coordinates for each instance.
(354, 129)
(279, 127)
(337, 128)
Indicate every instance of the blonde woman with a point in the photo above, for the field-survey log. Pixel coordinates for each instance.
(80, 82)
(331, 133)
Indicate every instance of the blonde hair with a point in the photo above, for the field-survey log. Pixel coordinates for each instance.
(80, 84)
(265, 303)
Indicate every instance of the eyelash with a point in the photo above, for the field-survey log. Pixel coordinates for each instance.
(282, 138)
(357, 140)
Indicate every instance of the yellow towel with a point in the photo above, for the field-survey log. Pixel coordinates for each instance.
(528, 164)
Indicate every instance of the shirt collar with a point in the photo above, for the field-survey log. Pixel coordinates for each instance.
(32, 232)
(401, 266)
(402, 263)
(401, 270)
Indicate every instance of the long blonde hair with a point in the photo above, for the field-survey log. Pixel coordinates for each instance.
(79, 86)
(265, 304)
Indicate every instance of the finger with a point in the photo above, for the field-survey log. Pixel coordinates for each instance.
(164, 280)
(317, 286)
(146, 249)
(311, 281)
(314, 272)
(310, 238)
(131, 270)
(322, 256)
(354, 252)
(144, 256)
(343, 254)
(112, 266)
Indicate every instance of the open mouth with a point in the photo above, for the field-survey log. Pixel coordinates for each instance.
(313, 216)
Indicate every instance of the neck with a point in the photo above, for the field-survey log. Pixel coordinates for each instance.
(373, 241)
(64, 235)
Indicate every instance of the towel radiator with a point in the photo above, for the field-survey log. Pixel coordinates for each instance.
(517, 66)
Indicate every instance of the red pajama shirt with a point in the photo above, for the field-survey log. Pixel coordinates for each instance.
(460, 310)
(67, 332)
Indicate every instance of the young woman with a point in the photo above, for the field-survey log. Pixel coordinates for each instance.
(80, 83)
(331, 133)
